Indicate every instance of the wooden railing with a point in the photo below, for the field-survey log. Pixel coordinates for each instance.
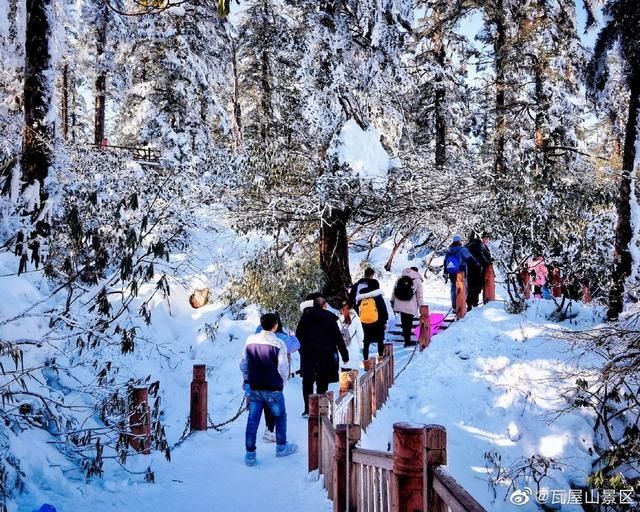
(136, 152)
(409, 479)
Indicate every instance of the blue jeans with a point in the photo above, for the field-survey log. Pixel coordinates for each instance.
(274, 401)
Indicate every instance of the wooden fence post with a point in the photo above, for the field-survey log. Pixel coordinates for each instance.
(526, 283)
(346, 438)
(586, 294)
(461, 294)
(198, 412)
(347, 381)
(369, 364)
(313, 431)
(409, 467)
(332, 404)
(140, 421)
(388, 351)
(436, 447)
(489, 292)
(555, 282)
(374, 388)
(425, 328)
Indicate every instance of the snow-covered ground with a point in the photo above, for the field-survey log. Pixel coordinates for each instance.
(492, 380)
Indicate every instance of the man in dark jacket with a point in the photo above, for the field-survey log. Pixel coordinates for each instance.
(320, 340)
(361, 284)
(457, 259)
(265, 369)
(475, 273)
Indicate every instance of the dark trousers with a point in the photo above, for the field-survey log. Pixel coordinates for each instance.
(322, 384)
(475, 284)
(269, 420)
(373, 333)
(406, 320)
(365, 349)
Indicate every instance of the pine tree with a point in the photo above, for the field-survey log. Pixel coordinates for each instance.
(621, 28)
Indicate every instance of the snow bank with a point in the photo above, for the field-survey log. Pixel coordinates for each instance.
(494, 381)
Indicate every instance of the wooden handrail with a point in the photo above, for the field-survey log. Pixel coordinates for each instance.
(408, 478)
(146, 154)
(453, 494)
(382, 460)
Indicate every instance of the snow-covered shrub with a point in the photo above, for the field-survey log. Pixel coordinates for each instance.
(612, 395)
(279, 282)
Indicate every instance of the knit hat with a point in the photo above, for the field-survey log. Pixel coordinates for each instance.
(456, 238)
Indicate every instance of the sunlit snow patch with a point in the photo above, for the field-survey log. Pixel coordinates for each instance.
(363, 152)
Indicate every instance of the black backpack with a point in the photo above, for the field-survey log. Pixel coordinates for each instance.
(404, 288)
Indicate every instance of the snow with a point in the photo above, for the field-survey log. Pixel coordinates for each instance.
(363, 152)
(493, 380)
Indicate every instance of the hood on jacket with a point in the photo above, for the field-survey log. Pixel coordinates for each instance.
(306, 304)
(412, 274)
(374, 293)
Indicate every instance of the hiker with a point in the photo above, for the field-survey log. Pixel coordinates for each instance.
(555, 280)
(352, 333)
(475, 274)
(320, 342)
(374, 316)
(539, 274)
(265, 370)
(406, 300)
(293, 345)
(457, 259)
(360, 285)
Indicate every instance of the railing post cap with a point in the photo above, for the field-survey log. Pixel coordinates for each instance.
(141, 392)
(409, 427)
(314, 405)
(199, 372)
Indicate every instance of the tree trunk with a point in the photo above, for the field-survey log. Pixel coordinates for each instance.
(38, 129)
(334, 252)
(64, 110)
(101, 78)
(237, 109)
(500, 126)
(622, 259)
(440, 93)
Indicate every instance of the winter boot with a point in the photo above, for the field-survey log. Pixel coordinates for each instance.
(250, 458)
(282, 450)
(269, 437)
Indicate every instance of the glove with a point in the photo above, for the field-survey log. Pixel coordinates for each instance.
(246, 388)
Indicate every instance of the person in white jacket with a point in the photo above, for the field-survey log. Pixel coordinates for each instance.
(351, 329)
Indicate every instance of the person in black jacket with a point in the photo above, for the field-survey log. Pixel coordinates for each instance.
(475, 273)
(374, 320)
(362, 284)
(320, 340)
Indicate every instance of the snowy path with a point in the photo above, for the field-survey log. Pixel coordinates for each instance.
(207, 472)
(486, 379)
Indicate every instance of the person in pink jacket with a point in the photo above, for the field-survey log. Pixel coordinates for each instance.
(539, 274)
(409, 302)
